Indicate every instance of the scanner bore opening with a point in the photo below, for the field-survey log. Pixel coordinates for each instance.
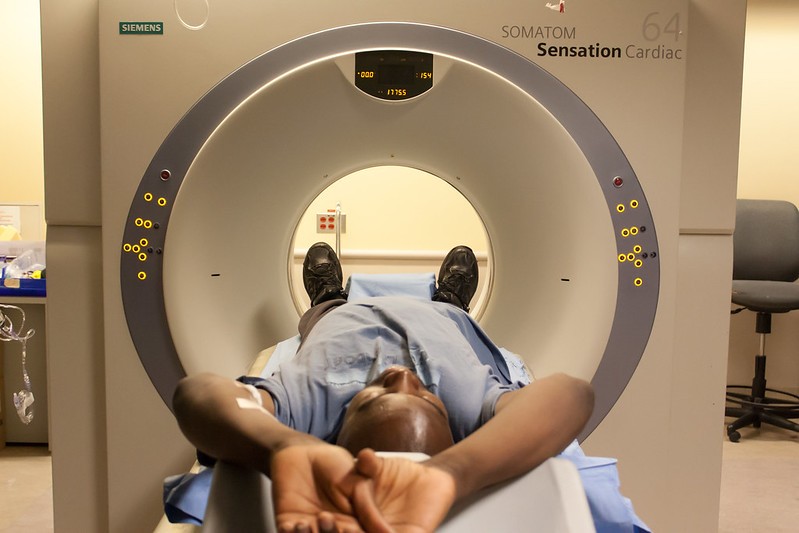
(394, 219)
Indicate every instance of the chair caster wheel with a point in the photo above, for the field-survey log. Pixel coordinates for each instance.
(734, 436)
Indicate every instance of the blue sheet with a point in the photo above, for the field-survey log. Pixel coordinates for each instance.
(186, 496)
(611, 511)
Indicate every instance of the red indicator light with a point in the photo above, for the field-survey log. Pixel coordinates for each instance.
(165, 174)
(618, 181)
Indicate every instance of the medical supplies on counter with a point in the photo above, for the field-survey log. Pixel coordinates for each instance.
(22, 268)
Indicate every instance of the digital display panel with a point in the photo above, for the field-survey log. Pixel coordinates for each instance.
(393, 74)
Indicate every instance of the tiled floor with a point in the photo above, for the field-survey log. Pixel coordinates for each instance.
(759, 492)
(26, 490)
(760, 482)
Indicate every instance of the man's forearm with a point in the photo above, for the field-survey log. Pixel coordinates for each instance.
(215, 415)
(530, 426)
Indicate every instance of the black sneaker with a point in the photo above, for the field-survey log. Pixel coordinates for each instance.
(457, 279)
(321, 274)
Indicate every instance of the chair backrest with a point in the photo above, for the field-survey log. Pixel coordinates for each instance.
(766, 240)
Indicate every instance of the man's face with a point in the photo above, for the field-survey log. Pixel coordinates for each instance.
(396, 413)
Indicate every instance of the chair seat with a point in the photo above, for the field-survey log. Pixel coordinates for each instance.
(766, 296)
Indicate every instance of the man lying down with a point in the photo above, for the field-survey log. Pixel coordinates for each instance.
(383, 374)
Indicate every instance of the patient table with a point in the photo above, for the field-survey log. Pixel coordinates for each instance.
(550, 498)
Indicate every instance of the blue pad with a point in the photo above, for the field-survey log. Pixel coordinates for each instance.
(362, 286)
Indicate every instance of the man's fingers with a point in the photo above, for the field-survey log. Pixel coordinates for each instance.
(366, 510)
(368, 463)
(293, 527)
(327, 523)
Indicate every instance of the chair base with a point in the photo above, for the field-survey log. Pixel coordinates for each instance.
(755, 408)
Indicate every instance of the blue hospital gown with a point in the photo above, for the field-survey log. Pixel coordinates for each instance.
(353, 343)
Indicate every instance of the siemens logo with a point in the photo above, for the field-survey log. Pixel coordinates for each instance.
(141, 28)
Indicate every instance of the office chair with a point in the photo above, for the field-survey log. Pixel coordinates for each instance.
(765, 265)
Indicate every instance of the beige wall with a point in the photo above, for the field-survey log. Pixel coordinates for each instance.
(770, 109)
(396, 208)
(21, 171)
(768, 167)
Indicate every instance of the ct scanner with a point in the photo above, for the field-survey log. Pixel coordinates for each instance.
(590, 147)
(270, 131)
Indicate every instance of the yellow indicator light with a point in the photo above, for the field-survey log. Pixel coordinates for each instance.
(620, 208)
(135, 248)
(630, 257)
(633, 231)
(634, 204)
(162, 201)
(144, 242)
(638, 263)
(127, 247)
(142, 256)
(148, 224)
(622, 258)
(638, 282)
(142, 275)
(148, 196)
(139, 222)
(625, 232)
(637, 249)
